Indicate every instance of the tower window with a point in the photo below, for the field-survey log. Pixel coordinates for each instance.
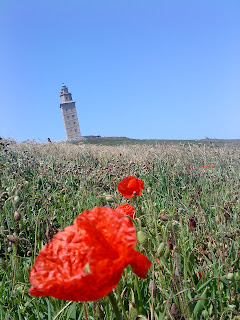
(73, 115)
(74, 122)
(68, 117)
(75, 130)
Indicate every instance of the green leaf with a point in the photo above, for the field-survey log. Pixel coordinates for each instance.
(201, 303)
(224, 281)
(205, 284)
(72, 311)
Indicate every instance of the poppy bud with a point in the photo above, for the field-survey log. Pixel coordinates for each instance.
(230, 276)
(152, 288)
(13, 239)
(170, 243)
(167, 253)
(29, 253)
(133, 310)
(174, 312)
(192, 223)
(17, 216)
(16, 200)
(160, 249)
(149, 189)
(163, 217)
(4, 196)
(142, 238)
(237, 276)
(109, 198)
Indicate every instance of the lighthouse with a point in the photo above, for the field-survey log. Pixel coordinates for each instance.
(69, 114)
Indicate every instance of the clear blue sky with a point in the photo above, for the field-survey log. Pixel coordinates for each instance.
(136, 68)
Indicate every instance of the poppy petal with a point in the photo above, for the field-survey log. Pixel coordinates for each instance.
(140, 264)
(103, 239)
(127, 209)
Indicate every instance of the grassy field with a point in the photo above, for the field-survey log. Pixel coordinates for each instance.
(116, 141)
(48, 185)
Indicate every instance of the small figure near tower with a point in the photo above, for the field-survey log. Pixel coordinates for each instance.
(69, 114)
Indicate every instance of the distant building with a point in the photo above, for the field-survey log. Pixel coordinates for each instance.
(69, 114)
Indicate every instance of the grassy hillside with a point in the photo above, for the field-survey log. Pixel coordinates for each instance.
(187, 222)
(115, 141)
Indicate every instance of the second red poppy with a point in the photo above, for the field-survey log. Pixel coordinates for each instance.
(130, 186)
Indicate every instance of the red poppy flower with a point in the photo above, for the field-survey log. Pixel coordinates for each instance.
(84, 262)
(130, 185)
(127, 209)
(200, 275)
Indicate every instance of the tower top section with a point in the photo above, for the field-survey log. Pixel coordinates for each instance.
(65, 95)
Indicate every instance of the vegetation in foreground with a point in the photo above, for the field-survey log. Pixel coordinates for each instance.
(187, 216)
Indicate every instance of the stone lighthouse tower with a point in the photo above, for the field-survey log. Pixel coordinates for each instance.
(69, 114)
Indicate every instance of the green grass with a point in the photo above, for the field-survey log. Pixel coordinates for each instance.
(50, 184)
(116, 141)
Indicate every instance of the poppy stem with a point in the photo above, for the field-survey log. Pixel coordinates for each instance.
(139, 294)
(114, 305)
(121, 302)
